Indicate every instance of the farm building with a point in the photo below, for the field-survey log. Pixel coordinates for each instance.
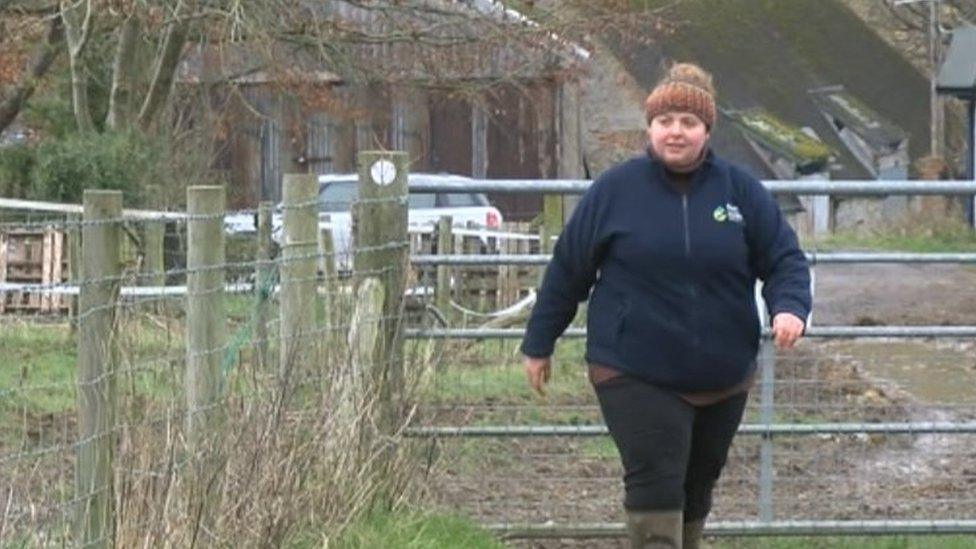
(492, 108)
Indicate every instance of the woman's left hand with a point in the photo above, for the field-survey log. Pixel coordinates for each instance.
(787, 328)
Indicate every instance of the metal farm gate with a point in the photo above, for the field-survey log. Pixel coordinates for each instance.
(823, 449)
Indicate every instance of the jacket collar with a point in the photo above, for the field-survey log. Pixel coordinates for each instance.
(661, 172)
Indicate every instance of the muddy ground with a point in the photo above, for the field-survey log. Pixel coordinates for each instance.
(895, 294)
(576, 480)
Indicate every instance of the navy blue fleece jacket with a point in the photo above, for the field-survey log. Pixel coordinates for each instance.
(672, 274)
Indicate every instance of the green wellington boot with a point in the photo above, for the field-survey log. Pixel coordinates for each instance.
(654, 529)
(692, 534)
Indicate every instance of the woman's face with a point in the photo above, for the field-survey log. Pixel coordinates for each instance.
(677, 138)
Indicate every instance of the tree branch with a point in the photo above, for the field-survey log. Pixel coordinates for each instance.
(169, 57)
(965, 10)
(120, 99)
(28, 7)
(13, 99)
(77, 34)
(907, 16)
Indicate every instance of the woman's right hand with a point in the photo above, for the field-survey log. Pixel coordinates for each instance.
(538, 370)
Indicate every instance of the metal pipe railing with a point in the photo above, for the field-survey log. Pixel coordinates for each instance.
(749, 429)
(813, 257)
(747, 528)
(579, 186)
(820, 332)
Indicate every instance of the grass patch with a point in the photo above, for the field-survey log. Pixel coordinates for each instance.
(39, 381)
(491, 371)
(476, 455)
(962, 240)
(497, 377)
(545, 415)
(412, 530)
(240, 307)
(506, 384)
(40, 368)
(600, 448)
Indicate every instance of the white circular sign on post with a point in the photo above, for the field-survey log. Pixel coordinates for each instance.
(383, 172)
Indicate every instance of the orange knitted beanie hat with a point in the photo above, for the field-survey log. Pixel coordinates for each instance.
(685, 88)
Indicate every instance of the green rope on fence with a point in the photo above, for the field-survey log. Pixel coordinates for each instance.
(243, 335)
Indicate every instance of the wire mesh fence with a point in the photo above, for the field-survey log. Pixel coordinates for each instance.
(216, 409)
(282, 428)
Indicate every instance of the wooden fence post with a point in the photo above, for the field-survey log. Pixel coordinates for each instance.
(299, 247)
(153, 267)
(552, 220)
(381, 252)
(263, 286)
(330, 287)
(3, 274)
(74, 265)
(445, 245)
(100, 278)
(206, 336)
(152, 242)
(552, 225)
(353, 380)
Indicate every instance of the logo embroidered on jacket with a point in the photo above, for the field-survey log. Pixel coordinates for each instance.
(728, 212)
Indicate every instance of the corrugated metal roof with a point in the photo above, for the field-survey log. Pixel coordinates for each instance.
(958, 74)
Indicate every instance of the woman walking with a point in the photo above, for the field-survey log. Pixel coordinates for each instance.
(667, 247)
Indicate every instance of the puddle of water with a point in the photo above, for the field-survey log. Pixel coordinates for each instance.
(934, 373)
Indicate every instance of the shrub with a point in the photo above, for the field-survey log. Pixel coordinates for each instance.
(16, 162)
(64, 168)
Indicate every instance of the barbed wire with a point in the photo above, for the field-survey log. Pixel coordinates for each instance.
(224, 266)
(72, 222)
(272, 380)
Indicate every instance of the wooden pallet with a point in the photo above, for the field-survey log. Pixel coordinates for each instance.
(482, 288)
(33, 257)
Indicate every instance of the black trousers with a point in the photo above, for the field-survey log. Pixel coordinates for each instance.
(672, 452)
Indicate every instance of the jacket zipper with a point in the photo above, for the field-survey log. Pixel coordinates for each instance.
(684, 206)
(692, 290)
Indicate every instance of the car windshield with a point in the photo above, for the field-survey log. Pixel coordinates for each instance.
(421, 200)
(338, 196)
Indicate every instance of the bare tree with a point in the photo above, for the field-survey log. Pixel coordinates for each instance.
(13, 97)
(920, 23)
(167, 60)
(77, 17)
(123, 75)
(131, 51)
